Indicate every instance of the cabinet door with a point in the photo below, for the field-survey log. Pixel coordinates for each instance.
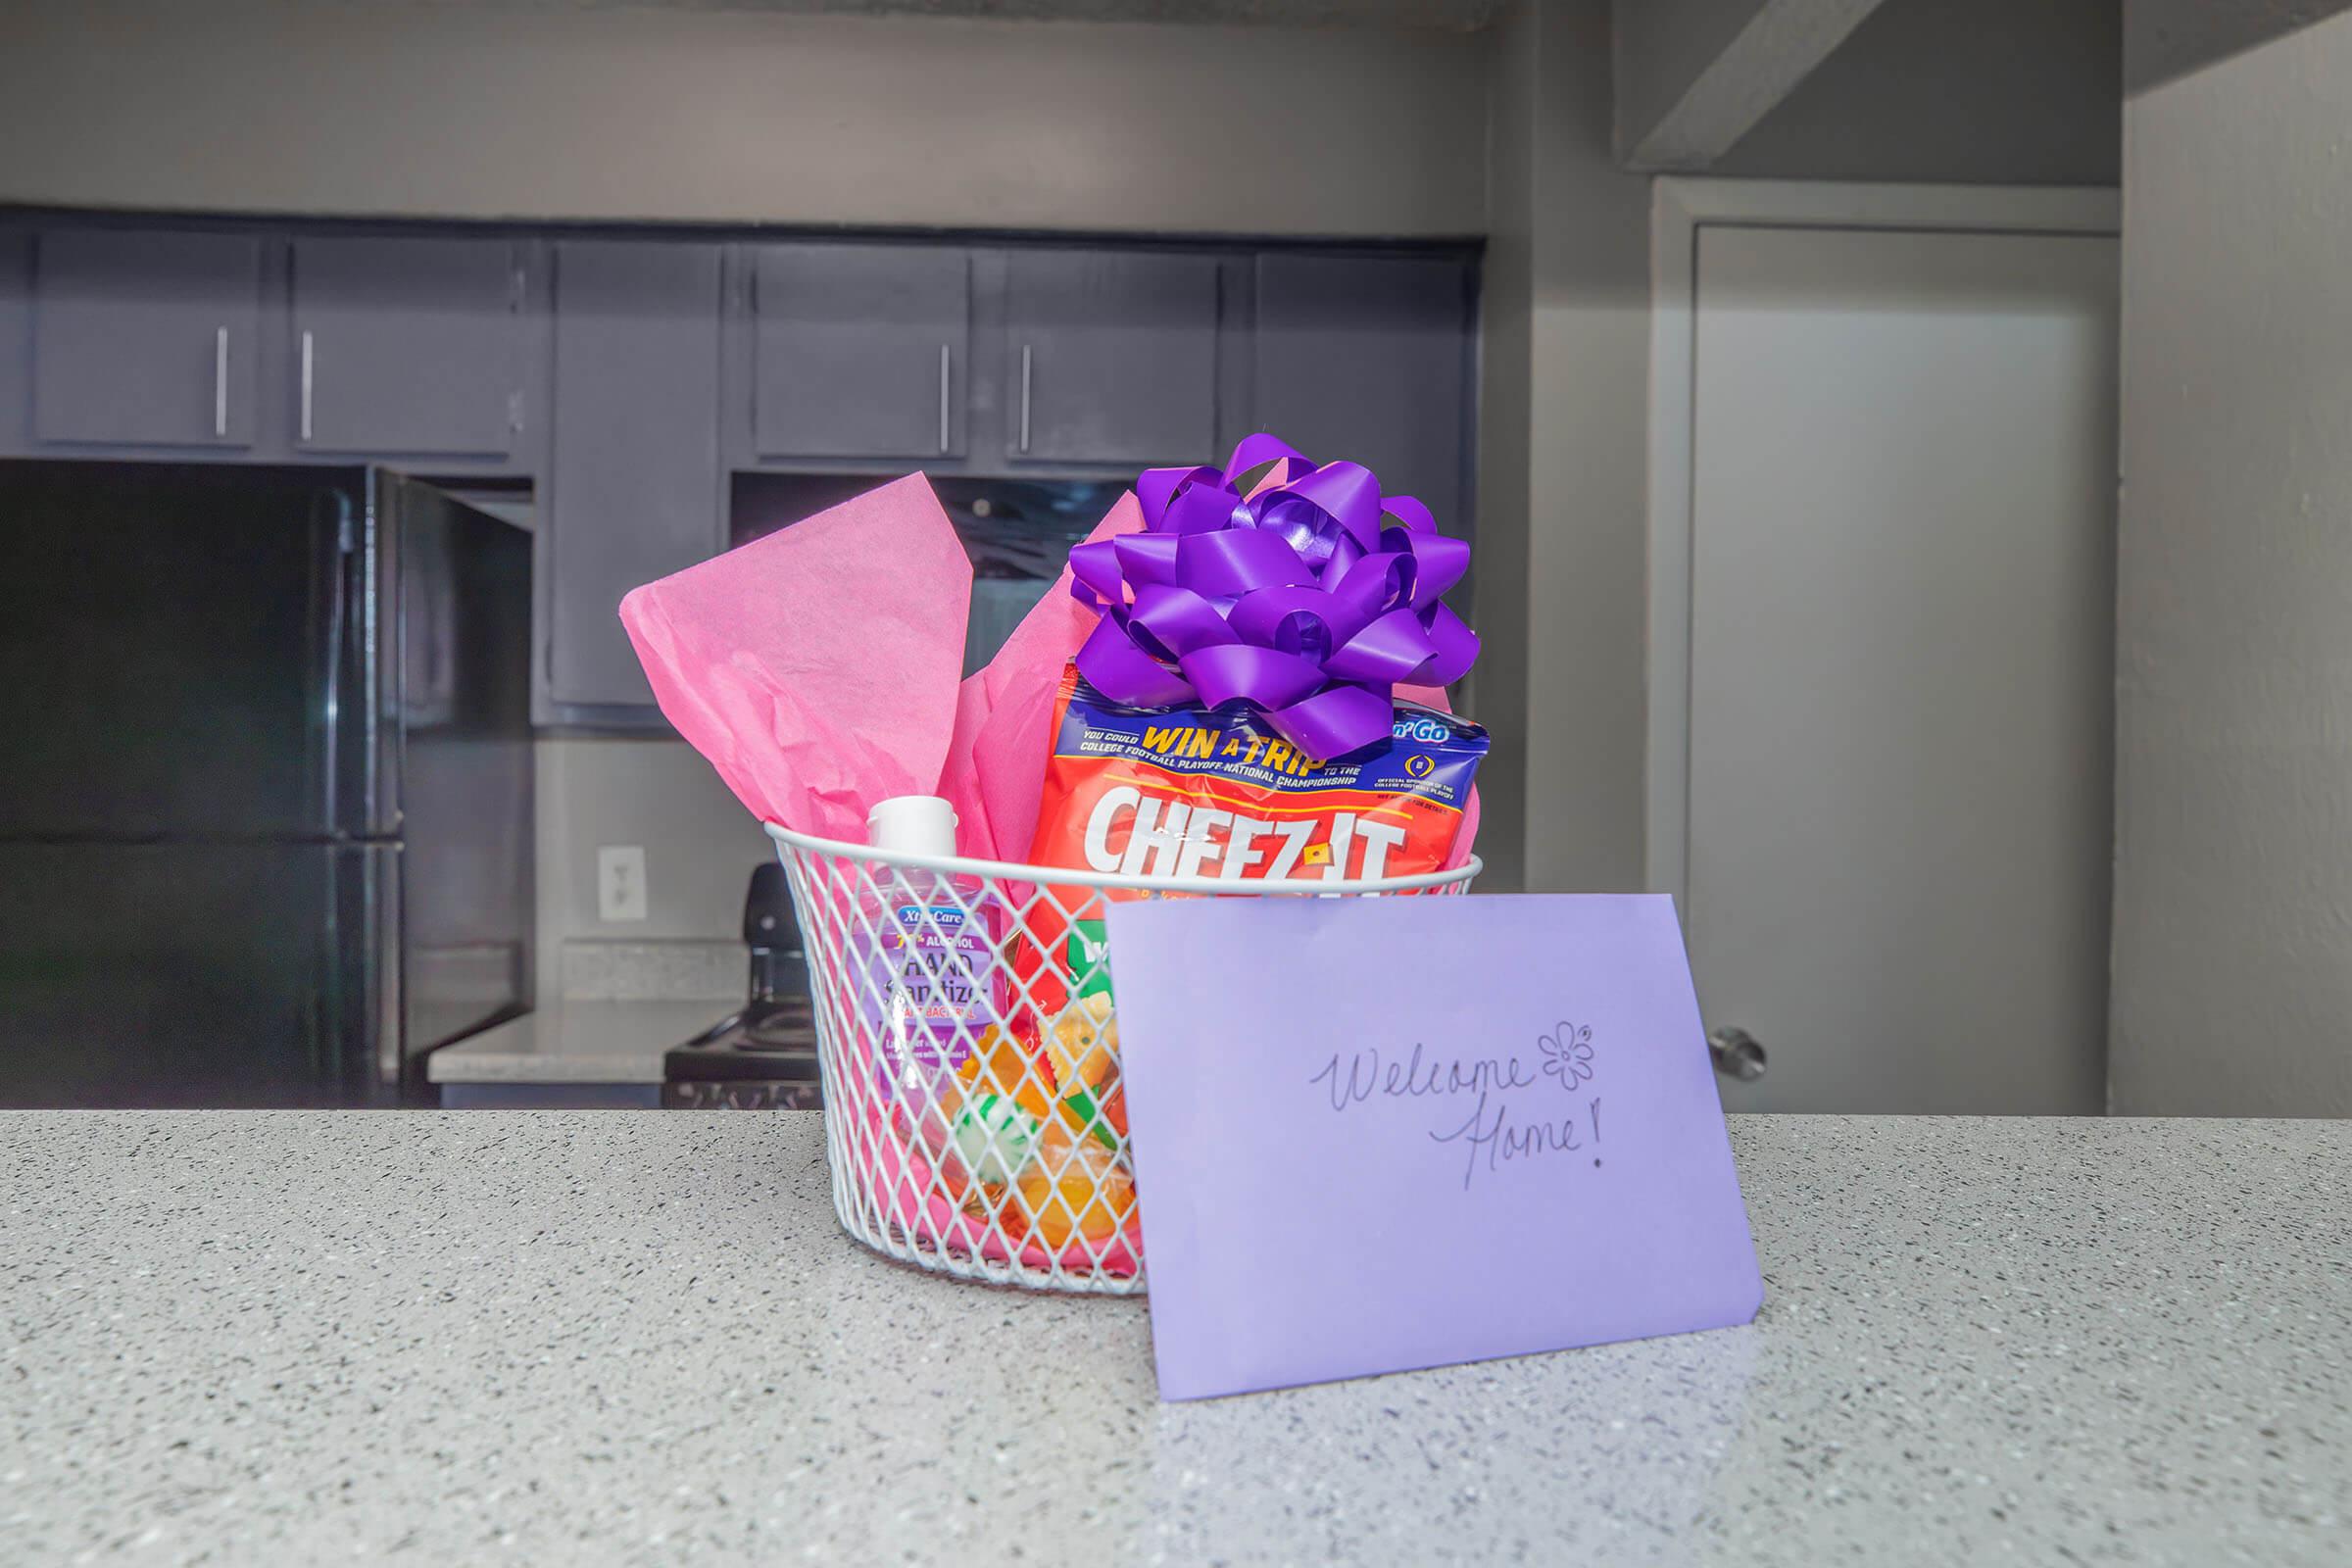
(1367, 358)
(1110, 357)
(146, 337)
(15, 341)
(859, 351)
(408, 345)
(634, 489)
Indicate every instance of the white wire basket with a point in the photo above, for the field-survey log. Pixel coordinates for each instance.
(974, 1115)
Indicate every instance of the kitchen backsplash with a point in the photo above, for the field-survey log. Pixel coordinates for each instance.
(699, 846)
(650, 971)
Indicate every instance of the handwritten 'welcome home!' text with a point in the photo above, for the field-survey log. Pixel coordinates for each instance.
(1495, 1130)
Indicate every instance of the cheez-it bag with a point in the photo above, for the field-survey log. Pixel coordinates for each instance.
(1193, 792)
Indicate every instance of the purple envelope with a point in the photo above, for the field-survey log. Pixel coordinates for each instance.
(1378, 1134)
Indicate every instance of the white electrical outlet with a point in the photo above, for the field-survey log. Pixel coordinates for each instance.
(620, 882)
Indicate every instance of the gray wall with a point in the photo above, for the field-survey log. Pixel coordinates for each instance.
(1563, 462)
(1974, 91)
(1659, 48)
(616, 113)
(1498, 684)
(700, 847)
(2232, 962)
(2171, 38)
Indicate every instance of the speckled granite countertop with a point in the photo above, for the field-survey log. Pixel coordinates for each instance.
(638, 1337)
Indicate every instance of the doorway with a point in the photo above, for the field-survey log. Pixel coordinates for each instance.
(1883, 531)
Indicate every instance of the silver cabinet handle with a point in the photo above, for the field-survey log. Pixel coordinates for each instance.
(1025, 367)
(942, 397)
(219, 381)
(307, 357)
(1736, 1053)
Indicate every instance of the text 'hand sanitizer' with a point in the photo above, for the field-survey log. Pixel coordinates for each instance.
(930, 987)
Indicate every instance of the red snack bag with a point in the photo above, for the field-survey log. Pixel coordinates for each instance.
(1193, 792)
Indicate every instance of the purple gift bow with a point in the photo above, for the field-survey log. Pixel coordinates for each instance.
(1309, 601)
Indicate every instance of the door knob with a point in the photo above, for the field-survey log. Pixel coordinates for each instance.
(1736, 1053)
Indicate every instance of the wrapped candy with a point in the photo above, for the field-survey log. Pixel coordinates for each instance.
(993, 1136)
(1073, 1188)
(1083, 1044)
(1099, 1115)
(1002, 1065)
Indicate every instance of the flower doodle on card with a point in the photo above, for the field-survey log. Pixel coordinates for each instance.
(1568, 1053)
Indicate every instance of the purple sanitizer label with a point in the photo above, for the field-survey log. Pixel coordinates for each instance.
(929, 988)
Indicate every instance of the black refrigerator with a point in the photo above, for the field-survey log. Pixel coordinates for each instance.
(266, 806)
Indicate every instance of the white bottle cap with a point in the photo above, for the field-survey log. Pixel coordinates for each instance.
(912, 824)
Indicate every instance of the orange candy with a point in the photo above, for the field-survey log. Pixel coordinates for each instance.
(998, 1065)
(1073, 1188)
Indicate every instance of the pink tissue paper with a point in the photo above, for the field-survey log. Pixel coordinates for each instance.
(816, 669)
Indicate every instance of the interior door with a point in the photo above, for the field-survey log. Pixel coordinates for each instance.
(1901, 665)
(146, 337)
(1111, 357)
(408, 345)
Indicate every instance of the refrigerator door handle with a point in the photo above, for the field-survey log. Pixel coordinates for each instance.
(379, 564)
(338, 622)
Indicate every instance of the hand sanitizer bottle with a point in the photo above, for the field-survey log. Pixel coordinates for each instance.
(930, 985)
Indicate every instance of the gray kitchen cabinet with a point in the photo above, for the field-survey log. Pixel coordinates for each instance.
(144, 337)
(15, 341)
(859, 351)
(405, 345)
(634, 486)
(1110, 357)
(1368, 358)
(628, 375)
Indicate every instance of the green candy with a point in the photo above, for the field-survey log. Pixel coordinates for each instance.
(1082, 1105)
(993, 1137)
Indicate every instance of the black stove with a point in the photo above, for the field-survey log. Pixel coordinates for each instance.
(763, 1058)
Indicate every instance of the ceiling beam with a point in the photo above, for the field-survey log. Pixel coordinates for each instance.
(1694, 76)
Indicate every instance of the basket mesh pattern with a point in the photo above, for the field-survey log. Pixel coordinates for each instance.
(974, 1112)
